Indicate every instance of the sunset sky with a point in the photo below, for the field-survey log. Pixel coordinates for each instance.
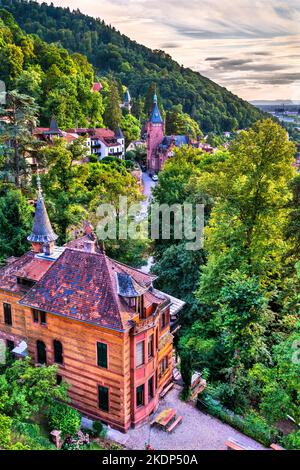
(250, 47)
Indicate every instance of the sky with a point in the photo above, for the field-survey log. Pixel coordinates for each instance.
(251, 47)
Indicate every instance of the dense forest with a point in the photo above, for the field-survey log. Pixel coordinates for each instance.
(213, 107)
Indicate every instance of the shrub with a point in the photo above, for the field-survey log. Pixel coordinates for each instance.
(5, 432)
(292, 441)
(252, 424)
(30, 436)
(64, 418)
(79, 442)
(99, 429)
(93, 158)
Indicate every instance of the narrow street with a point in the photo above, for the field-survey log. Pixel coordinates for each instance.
(148, 184)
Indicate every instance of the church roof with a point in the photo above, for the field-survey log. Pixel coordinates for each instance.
(127, 97)
(119, 134)
(155, 116)
(42, 230)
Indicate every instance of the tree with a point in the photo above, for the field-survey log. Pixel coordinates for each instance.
(246, 228)
(292, 229)
(15, 222)
(25, 389)
(112, 114)
(131, 128)
(179, 123)
(16, 134)
(64, 187)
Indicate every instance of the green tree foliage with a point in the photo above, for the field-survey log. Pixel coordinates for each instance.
(131, 128)
(182, 124)
(61, 84)
(20, 113)
(212, 107)
(64, 418)
(246, 228)
(64, 187)
(112, 114)
(25, 390)
(15, 222)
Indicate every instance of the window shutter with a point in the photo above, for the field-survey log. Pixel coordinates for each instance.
(7, 314)
(103, 397)
(140, 353)
(58, 352)
(102, 355)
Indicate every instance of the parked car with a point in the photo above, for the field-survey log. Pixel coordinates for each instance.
(154, 177)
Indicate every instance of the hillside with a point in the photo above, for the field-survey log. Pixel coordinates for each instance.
(60, 83)
(212, 106)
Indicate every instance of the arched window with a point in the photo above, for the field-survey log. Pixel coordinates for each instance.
(41, 352)
(58, 352)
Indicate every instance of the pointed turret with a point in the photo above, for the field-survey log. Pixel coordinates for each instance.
(42, 236)
(155, 117)
(53, 125)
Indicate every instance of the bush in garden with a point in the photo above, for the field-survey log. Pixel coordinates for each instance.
(79, 442)
(292, 441)
(252, 424)
(29, 434)
(99, 429)
(64, 418)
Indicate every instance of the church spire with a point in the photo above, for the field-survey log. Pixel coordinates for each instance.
(42, 236)
(155, 117)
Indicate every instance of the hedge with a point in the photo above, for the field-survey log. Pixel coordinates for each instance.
(251, 424)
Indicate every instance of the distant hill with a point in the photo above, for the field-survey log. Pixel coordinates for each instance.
(275, 102)
(213, 107)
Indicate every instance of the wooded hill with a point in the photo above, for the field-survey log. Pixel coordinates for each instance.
(212, 106)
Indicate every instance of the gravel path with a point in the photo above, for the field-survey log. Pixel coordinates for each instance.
(198, 431)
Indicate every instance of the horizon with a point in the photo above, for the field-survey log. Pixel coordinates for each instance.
(254, 56)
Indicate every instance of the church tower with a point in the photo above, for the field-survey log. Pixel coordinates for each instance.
(155, 134)
(42, 237)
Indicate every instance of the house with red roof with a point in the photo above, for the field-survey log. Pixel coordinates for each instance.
(101, 142)
(103, 323)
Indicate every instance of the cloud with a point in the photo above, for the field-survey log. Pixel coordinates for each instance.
(169, 45)
(214, 59)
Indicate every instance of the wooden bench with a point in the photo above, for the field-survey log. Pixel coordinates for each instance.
(233, 445)
(166, 390)
(174, 424)
(276, 447)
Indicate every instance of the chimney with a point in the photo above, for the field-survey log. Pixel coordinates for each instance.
(48, 248)
(88, 229)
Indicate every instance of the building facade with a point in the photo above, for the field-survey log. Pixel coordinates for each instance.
(103, 323)
(99, 141)
(160, 147)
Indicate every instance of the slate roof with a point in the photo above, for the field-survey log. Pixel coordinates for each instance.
(128, 287)
(177, 140)
(42, 230)
(155, 116)
(127, 97)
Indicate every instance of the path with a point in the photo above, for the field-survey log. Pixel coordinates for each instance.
(148, 184)
(198, 431)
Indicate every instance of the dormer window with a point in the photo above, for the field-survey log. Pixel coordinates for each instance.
(25, 282)
(132, 292)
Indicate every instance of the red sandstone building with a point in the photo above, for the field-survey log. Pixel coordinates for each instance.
(160, 146)
(103, 323)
